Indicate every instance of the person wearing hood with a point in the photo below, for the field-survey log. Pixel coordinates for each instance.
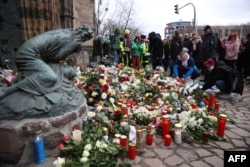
(156, 49)
(184, 66)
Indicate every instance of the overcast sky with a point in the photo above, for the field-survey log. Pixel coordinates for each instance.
(153, 15)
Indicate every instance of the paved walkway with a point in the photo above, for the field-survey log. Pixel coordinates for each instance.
(196, 155)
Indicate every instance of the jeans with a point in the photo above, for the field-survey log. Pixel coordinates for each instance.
(115, 57)
(221, 84)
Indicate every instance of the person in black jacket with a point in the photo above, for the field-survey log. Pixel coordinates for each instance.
(214, 75)
(156, 49)
(209, 44)
(175, 50)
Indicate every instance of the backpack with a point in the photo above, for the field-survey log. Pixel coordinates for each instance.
(236, 79)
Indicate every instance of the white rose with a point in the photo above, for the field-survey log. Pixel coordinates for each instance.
(85, 153)
(90, 114)
(112, 100)
(88, 147)
(94, 94)
(104, 95)
(84, 160)
(99, 108)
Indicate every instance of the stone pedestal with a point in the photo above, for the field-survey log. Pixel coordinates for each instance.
(16, 147)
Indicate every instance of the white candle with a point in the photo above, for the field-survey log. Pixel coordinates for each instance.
(60, 162)
(77, 136)
(177, 137)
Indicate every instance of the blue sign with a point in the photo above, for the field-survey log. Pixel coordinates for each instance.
(179, 24)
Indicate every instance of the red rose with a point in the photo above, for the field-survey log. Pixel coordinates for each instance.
(90, 88)
(105, 88)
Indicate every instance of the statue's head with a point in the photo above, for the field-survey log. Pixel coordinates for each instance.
(84, 32)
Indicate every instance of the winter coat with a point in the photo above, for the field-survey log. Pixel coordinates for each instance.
(232, 50)
(208, 47)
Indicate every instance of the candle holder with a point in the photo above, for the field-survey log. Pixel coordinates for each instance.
(165, 125)
(132, 151)
(168, 140)
(123, 141)
(77, 136)
(221, 125)
(177, 134)
(149, 138)
(39, 147)
(211, 100)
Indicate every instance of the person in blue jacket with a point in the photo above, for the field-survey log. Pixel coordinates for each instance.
(184, 67)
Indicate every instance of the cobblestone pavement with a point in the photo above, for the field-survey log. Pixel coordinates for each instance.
(199, 155)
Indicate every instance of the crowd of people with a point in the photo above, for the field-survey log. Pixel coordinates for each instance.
(188, 56)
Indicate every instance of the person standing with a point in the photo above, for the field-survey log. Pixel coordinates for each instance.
(175, 50)
(114, 45)
(187, 43)
(127, 48)
(196, 49)
(156, 49)
(209, 44)
(241, 61)
(136, 51)
(232, 50)
(166, 45)
(247, 52)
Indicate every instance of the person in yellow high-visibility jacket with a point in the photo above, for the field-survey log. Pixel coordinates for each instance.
(145, 56)
(127, 48)
(121, 49)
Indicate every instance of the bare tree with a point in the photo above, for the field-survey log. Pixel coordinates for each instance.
(121, 17)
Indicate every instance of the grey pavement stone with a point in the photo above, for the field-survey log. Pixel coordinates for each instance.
(173, 160)
(47, 163)
(203, 152)
(218, 152)
(230, 134)
(241, 132)
(153, 162)
(214, 161)
(188, 146)
(184, 165)
(188, 156)
(163, 153)
(239, 143)
(248, 141)
(224, 145)
(149, 154)
(199, 164)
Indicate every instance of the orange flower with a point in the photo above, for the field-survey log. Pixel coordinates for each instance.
(60, 146)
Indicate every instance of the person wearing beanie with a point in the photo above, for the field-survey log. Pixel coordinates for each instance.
(214, 75)
(209, 44)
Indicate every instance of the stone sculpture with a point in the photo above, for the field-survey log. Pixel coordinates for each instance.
(43, 86)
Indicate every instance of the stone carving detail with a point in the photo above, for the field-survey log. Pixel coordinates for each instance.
(43, 86)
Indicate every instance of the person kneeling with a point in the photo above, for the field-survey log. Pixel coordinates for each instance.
(214, 75)
(185, 68)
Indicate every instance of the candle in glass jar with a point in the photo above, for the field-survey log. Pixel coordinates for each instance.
(39, 148)
(132, 151)
(149, 138)
(165, 125)
(177, 134)
(217, 106)
(211, 100)
(77, 136)
(117, 138)
(168, 140)
(123, 141)
(125, 110)
(221, 125)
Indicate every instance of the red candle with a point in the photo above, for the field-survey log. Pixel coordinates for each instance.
(221, 125)
(149, 139)
(165, 125)
(125, 110)
(164, 112)
(132, 151)
(123, 141)
(168, 140)
(217, 106)
(211, 100)
(205, 134)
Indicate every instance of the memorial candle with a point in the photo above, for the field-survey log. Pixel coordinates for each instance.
(211, 100)
(39, 148)
(168, 140)
(165, 125)
(123, 141)
(221, 125)
(149, 138)
(77, 136)
(132, 151)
